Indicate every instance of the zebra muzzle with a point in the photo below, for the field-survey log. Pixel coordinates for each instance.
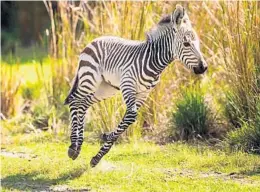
(201, 68)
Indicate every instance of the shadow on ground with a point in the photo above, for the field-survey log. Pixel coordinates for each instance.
(33, 182)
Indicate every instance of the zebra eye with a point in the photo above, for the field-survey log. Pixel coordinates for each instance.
(186, 44)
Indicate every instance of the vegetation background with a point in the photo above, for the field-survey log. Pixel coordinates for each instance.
(213, 115)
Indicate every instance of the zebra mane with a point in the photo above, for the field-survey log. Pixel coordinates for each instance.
(159, 29)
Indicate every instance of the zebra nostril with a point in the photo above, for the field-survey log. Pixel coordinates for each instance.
(201, 65)
(205, 68)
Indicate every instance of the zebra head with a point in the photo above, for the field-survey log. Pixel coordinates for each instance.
(187, 45)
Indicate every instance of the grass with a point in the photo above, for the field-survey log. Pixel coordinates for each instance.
(43, 165)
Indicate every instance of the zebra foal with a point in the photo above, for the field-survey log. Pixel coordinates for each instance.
(111, 64)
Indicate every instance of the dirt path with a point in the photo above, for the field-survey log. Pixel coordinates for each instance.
(17, 155)
(239, 178)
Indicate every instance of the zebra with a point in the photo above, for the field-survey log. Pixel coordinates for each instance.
(111, 64)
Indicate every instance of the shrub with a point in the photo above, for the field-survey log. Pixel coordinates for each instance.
(191, 119)
(246, 138)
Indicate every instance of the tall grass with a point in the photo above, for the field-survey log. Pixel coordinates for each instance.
(239, 47)
(10, 83)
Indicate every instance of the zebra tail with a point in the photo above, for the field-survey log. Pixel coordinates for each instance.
(72, 90)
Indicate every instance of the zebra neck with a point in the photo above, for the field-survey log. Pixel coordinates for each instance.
(162, 52)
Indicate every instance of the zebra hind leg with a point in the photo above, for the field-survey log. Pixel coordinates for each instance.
(74, 150)
(80, 98)
(102, 91)
(78, 110)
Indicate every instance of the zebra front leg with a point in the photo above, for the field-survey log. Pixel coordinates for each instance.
(129, 118)
(129, 95)
(140, 99)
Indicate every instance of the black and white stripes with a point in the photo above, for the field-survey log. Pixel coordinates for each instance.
(111, 64)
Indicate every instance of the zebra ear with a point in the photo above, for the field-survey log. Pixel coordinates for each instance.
(178, 15)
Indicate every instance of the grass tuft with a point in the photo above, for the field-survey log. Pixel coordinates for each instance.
(192, 115)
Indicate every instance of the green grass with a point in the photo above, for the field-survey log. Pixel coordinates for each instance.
(128, 167)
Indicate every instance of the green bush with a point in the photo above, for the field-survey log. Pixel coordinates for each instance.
(191, 119)
(246, 138)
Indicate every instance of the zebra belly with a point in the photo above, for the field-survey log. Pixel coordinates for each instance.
(112, 78)
(105, 91)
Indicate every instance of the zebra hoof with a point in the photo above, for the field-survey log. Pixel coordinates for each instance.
(73, 154)
(94, 161)
(104, 137)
